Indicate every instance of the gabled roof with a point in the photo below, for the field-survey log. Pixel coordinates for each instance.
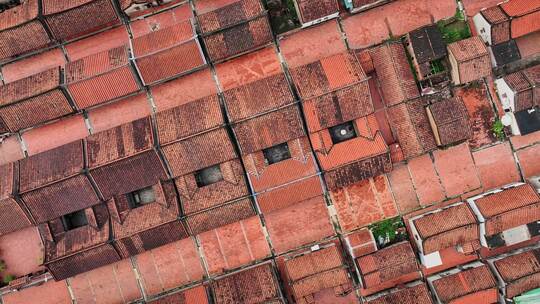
(394, 73)
(311, 10)
(100, 77)
(99, 42)
(524, 25)
(471, 283)
(388, 265)
(516, 8)
(197, 294)
(252, 285)
(233, 27)
(468, 49)
(456, 226)
(521, 272)
(20, 32)
(449, 120)
(427, 43)
(526, 86)
(70, 19)
(12, 216)
(33, 100)
(269, 130)
(494, 14)
(418, 294)
(220, 216)
(509, 208)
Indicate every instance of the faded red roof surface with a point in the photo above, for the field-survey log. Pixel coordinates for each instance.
(199, 152)
(449, 120)
(253, 285)
(392, 265)
(161, 20)
(361, 242)
(509, 208)
(521, 272)
(20, 31)
(473, 61)
(516, 8)
(289, 193)
(195, 295)
(456, 227)
(494, 14)
(523, 88)
(478, 285)
(220, 216)
(418, 294)
(500, 28)
(215, 15)
(394, 73)
(100, 42)
(69, 19)
(311, 10)
(32, 65)
(100, 77)
(527, 24)
(315, 271)
(188, 119)
(120, 112)
(12, 216)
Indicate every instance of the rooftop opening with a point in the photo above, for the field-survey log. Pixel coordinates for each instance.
(208, 176)
(276, 153)
(141, 197)
(342, 132)
(74, 220)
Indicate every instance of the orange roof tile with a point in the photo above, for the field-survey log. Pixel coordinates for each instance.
(193, 295)
(149, 24)
(521, 272)
(10, 150)
(506, 200)
(289, 194)
(97, 43)
(527, 24)
(466, 283)
(33, 65)
(516, 8)
(418, 294)
(120, 112)
(311, 10)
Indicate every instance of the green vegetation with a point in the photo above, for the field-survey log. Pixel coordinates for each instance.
(454, 29)
(498, 129)
(3, 266)
(388, 232)
(437, 66)
(283, 17)
(8, 278)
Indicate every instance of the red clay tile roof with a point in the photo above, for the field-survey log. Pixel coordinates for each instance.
(465, 283)
(253, 285)
(28, 66)
(288, 194)
(269, 130)
(456, 226)
(130, 174)
(521, 272)
(510, 208)
(394, 73)
(220, 216)
(523, 87)
(83, 261)
(97, 43)
(271, 93)
(519, 7)
(533, 75)
(418, 294)
(7, 180)
(361, 242)
(473, 61)
(527, 24)
(51, 166)
(69, 19)
(388, 264)
(450, 121)
(311, 10)
(60, 198)
(120, 142)
(195, 199)
(12, 217)
(199, 152)
(189, 118)
(223, 14)
(494, 14)
(20, 32)
(193, 295)
(29, 86)
(316, 271)
(100, 77)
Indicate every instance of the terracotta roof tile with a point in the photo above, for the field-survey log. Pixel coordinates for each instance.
(533, 75)
(473, 61)
(20, 31)
(328, 74)
(199, 152)
(523, 88)
(12, 217)
(289, 194)
(130, 174)
(97, 43)
(464, 283)
(189, 119)
(83, 261)
(70, 19)
(195, 199)
(450, 121)
(494, 14)
(7, 180)
(418, 294)
(269, 130)
(394, 73)
(29, 86)
(47, 167)
(388, 264)
(527, 24)
(120, 112)
(163, 38)
(220, 216)
(223, 14)
(32, 65)
(271, 93)
(253, 285)
(506, 200)
(67, 196)
(518, 8)
(120, 142)
(520, 271)
(193, 295)
(311, 10)
(335, 278)
(360, 243)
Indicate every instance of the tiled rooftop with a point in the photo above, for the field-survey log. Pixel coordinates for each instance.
(418, 294)
(477, 285)
(520, 272)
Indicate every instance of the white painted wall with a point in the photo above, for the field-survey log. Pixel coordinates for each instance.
(506, 94)
(483, 28)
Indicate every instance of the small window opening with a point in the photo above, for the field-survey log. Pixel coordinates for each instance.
(277, 153)
(208, 176)
(74, 220)
(141, 197)
(342, 132)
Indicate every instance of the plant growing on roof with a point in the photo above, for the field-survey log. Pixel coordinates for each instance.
(388, 231)
(8, 278)
(498, 129)
(3, 266)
